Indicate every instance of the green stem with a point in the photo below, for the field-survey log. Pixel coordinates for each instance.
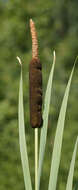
(36, 158)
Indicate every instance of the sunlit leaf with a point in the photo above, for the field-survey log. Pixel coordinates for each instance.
(58, 139)
(71, 171)
(22, 141)
(43, 135)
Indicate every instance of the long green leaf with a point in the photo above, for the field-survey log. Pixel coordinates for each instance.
(22, 141)
(58, 139)
(43, 135)
(71, 171)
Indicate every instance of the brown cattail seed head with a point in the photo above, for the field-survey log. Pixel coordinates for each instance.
(35, 83)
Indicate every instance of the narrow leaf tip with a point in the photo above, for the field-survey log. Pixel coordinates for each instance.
(19, 60)
(54, 54)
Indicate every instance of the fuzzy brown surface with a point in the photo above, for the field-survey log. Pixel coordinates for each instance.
(35, 86)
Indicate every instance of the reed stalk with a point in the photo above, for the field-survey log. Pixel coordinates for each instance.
(36, 158)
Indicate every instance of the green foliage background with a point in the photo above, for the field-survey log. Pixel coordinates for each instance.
(57, 26)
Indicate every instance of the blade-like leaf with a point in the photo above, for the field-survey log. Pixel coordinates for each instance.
(43, 135)
(71, 171)
(22, 141)
(58, 139)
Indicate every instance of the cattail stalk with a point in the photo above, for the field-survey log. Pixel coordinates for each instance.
(35, 80)
(36, 158)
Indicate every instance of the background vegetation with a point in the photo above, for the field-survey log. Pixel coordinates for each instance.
(57, 26)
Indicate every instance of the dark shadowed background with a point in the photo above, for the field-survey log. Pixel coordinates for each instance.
(57, 27)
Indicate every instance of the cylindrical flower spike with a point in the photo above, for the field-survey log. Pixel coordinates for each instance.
(35, 82)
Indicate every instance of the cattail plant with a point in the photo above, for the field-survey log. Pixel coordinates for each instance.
(36, 122)
(35, 88)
